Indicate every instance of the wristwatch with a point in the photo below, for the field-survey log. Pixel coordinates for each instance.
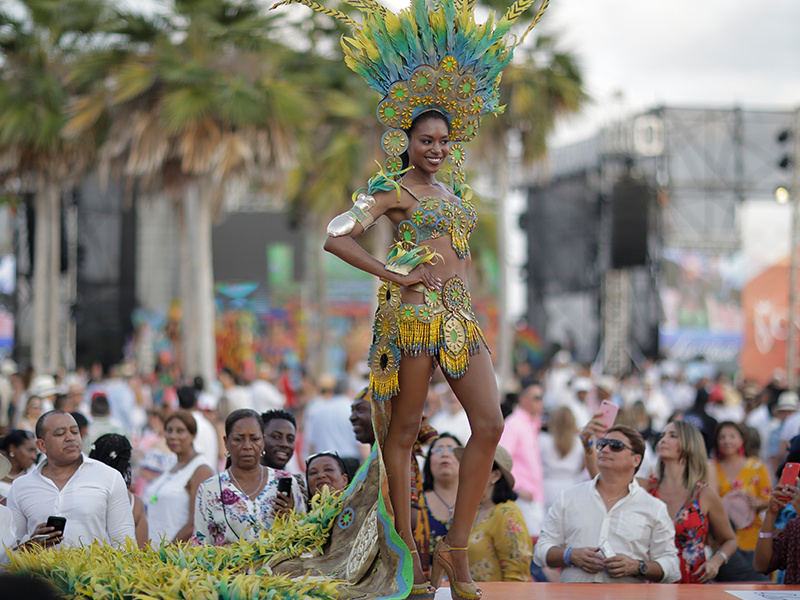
(642, 568)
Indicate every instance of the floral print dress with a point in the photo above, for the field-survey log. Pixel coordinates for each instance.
(752, 480)
(500, 547)
(223, 514)
(691, 532)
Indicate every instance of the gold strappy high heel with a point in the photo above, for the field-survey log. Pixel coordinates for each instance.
(421, 591)
(442, 564)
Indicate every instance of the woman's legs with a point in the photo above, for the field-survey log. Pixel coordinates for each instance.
(478, 394)
(404, 425)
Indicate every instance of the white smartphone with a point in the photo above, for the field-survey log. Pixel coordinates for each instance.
(606, 550)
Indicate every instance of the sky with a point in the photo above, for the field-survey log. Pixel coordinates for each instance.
(699, 53)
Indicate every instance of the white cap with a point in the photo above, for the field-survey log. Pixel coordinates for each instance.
(43, 386)
(788, 401)
(581, 384)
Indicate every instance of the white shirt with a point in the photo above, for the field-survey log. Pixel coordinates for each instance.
(7, 536)
(266, 396)
(638, 526)
(790, 427)
(168, 503)
(94, 501)
(206, 442)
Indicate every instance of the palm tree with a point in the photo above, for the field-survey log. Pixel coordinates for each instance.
(201, 106)
(38, 41)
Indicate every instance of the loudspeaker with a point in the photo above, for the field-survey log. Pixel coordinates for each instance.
(630, 206)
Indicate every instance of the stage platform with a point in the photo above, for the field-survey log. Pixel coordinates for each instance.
(621, 591)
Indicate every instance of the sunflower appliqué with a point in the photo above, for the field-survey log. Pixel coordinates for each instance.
(384, 355)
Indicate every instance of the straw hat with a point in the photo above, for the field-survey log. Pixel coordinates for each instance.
(5, 466)
(502, 459)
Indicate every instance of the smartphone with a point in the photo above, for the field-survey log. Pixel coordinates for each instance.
(285, 485)
(608, 413)
(791, 471)
(57, 522)
(606, 550)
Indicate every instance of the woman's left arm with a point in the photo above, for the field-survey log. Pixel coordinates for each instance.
(720, 526)
(513, 544)
(202, 473)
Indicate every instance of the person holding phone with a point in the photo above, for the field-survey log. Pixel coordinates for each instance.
(610, 529)
(781, 549)
(244, 499)
(90, 495)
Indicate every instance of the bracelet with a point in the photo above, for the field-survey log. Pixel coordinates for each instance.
(588, 445)
(725, 557)
(567, 552)
(765, 535)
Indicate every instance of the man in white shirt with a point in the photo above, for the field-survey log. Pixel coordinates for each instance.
(610, 529)
(206, 442)
(266, 396)
(89, 494)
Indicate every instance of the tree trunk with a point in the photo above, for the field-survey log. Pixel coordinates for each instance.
(40, 279)
(54, 283)
(187, 273)
(204, 281)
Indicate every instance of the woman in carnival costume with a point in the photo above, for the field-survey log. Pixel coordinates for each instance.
(438, 72)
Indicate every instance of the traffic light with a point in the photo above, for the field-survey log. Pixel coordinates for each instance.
(784, 137)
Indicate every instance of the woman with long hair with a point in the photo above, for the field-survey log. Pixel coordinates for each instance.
(563, 464)
(170, 497)
(242, 500)
(440, 484)
(680, 481)
(742, 482)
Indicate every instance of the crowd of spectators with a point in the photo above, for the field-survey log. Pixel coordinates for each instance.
(165, 460)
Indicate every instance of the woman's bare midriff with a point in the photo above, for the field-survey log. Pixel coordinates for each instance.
(444, 268)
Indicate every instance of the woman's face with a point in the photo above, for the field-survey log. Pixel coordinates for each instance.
(325, 470)
(729, 441)
(24, 455)
(245, 444)
(429, 145)
(178, 437)
(443, 461)
(669, 446)
(33, 409)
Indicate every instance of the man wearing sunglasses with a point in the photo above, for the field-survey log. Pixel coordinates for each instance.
(610, 529)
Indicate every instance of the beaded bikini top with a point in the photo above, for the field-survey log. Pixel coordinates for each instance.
(434, 217)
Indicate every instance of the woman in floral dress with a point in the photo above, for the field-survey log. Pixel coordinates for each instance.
(742, 482)
(500, 547)
(243, 500)
(696, 508)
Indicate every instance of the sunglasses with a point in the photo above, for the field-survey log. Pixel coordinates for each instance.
(443, 449)
(614, 445)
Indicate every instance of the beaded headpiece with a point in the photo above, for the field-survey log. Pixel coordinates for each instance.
(435, 58)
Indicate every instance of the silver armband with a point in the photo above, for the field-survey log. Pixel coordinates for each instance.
(343, 224)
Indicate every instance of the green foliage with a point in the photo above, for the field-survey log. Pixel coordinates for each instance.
(240, 571)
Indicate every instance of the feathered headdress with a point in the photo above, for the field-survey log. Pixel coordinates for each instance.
(424, 59)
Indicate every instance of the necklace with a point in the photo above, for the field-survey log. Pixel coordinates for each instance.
(450, 507)
(241, 488)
